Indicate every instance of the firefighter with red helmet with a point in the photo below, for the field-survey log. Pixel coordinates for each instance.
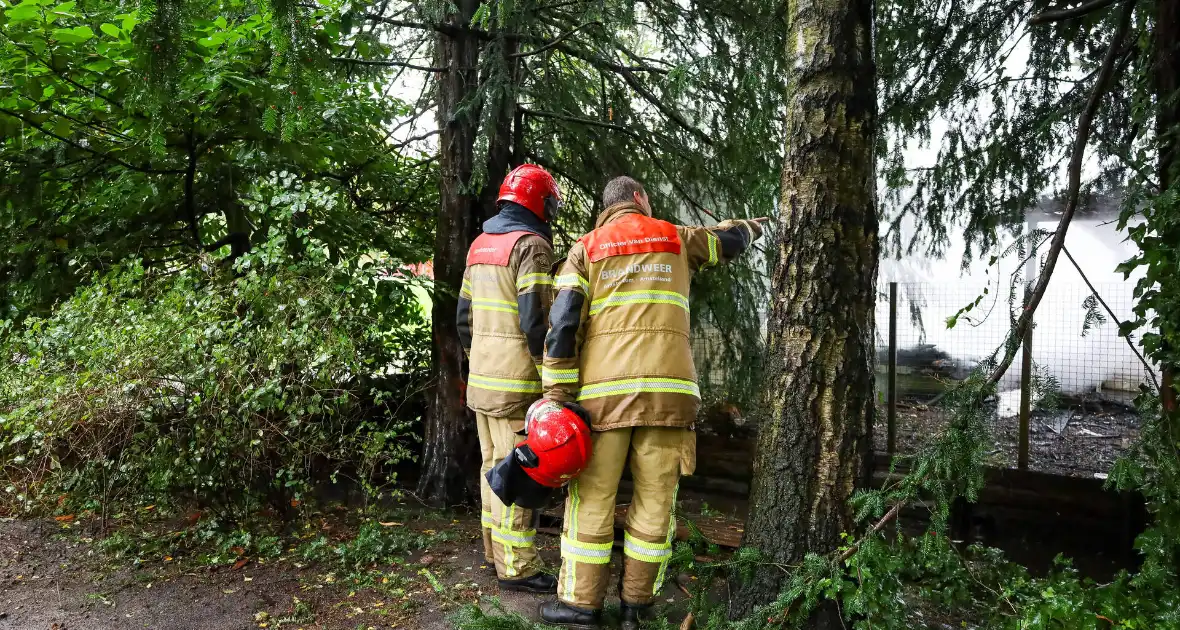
(505, 298)
(618, 345)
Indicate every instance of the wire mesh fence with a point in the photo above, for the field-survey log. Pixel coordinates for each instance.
(943, 331)
(1080, 421)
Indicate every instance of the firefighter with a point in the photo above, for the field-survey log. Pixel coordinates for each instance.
(503, 305)
(618, 344)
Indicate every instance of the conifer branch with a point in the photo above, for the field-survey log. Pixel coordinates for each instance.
(1058, 15)
(388, 63)
(1073, 192)
(555, 43)
(99, 154)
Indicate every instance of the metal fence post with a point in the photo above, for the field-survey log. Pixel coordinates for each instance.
(891, 417)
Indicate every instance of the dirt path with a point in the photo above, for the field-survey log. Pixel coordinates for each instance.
(53, 577)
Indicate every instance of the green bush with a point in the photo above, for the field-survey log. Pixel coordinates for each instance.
(210, 386)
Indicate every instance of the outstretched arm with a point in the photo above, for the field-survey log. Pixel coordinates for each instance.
(720, 243)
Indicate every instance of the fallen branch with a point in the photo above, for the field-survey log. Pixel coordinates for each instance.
(1113, 317)
(688, 621)
(1073, 193)
(878, 526)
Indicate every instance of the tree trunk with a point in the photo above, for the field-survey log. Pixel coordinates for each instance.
(1167, 89)
(450, 455)
(1166, 74)
(501, 136)
(814, 447)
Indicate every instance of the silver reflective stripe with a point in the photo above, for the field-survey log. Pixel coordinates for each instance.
(639, 385)
(515, 539)
(585, 552)
(656, 555)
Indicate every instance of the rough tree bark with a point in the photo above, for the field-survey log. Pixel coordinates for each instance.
(450, 456)
(1167, 89)
(450, 452)
(813, 449)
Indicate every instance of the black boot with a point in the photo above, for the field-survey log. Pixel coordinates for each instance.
(632, 614)
(539, 583)
(559, 613)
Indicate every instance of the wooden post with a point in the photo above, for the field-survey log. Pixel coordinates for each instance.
(1025, 399)
(891, 417)
(1026, 356)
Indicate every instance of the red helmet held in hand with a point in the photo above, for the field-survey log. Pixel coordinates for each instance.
(556, 450)
(534, 188)
(558, 444)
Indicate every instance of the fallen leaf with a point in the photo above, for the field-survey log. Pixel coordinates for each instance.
(150, 507)
(167, 558)
(240, 563)
(65, 518)
(391, 524)
(238, 550)
(294, 502)
(229, 591)
(247, 579)
(193, 518)
(428, 532)
(426, 560)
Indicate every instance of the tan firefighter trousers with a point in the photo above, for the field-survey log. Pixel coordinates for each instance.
(508, 531)
(659, 455)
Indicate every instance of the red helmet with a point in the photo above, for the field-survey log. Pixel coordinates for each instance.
(556, 450)
(558, 443)
(532, 187)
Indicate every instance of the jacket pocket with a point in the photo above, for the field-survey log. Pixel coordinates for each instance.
(688, 453)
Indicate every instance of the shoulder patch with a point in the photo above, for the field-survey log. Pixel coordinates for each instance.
(634, 234)
(493, 249)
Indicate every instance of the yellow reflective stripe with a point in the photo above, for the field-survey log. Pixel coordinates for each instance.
(639, 297)
(489, 304)
(638, 386)
(514, 539)
(628, 539)
(560, 376)
(534, 279)
(486, 520)
(504, 384)
(587, 553)
(575, 501)
(466, 288)
(573, 281)
(713, 243)
(509, 554)
(662, 575)
(646, 551)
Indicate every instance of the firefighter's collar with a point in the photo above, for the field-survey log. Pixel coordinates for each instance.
(618, 210)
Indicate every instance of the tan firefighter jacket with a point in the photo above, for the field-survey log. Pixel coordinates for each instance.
(618, 340)
(506, 294)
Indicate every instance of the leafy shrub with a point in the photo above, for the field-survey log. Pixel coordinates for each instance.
(216, 387)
